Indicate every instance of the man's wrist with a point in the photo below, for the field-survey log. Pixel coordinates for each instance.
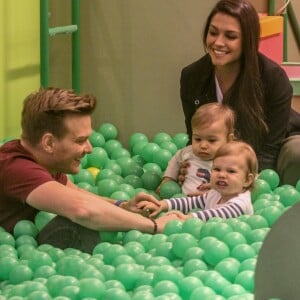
(154, 225)
(120, 203)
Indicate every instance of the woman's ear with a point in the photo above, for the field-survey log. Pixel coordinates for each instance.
(48, 142)
(231, 137)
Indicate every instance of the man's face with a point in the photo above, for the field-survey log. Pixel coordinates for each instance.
(69, 150)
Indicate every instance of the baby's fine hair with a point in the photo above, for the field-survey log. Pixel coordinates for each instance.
(209, 113)
(46, 109)
(244, 149)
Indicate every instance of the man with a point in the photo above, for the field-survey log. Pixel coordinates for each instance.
(56, 125)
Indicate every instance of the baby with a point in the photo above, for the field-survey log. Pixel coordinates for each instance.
(212, 126)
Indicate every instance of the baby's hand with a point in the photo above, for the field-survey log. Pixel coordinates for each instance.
(179, 215)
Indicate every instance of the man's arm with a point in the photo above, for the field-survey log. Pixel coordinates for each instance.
(86, 209)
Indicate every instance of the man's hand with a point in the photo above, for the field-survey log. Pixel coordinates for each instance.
(132, 205)
(150, 209)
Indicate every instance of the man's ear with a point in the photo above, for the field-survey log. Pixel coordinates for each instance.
(48, 142)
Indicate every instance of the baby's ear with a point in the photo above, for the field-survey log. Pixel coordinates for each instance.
(249, 179)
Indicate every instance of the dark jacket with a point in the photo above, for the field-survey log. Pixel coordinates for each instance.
(197, 87)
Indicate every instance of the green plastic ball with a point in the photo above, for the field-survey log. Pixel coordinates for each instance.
(289, 196)
(106, 187)
(193, 252)
(136, 138)
(116, 294)
(84, 176)
(133, 168)
(150, 180)
(134, 248)
(112, 145)
(91, 287)
(193, 265)
(137, 148)
(220, 230)
(20, 273)
(242, 252)
(271, 177)
(97, 139)
(6, 265)
(113, 166)
(165, 286)
(246, 280)
(170, 146)
(192, 226)
(25, 227)
(260, 187)
(257, 221)
(169, 188)
(183, 242)
(109, 131)
(166, 272)
(202, 292)
(180, 140)
(161, 137)
(39, 259)
(215, 251)
(173, 226)
(271, 214)
(148, 151)
(42, 218)
(7, 239)
(134, 180)
(231, 239)
(119, 153)
(228, 268)
(127, 274)
(152, 167)
(97, 158)
(233, 290)
(162, 157)
(117, 195)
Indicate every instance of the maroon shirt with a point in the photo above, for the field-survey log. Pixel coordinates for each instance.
(19, 176)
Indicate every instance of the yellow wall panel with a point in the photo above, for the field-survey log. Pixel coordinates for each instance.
(19, 60)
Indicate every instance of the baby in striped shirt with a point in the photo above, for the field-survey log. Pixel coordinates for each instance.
(233, 174)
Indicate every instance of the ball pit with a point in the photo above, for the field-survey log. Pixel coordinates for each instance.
(190, 260)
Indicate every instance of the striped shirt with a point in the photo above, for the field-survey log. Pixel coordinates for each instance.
(209, 207)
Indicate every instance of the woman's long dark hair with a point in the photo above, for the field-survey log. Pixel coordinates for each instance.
(246, 96)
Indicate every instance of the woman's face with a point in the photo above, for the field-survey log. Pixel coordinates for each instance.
(224, 40)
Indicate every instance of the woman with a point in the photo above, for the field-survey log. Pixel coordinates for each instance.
(256, 88)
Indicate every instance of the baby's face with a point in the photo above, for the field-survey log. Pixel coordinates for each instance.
(207, 140)
(230, 175)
